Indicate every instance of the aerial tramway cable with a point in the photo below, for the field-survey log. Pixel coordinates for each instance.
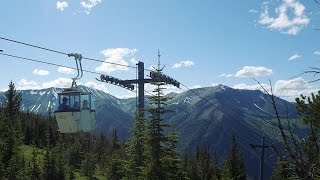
(44, 62)
(64, 53)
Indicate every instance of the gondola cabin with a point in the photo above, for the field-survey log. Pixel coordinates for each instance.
(75, 111)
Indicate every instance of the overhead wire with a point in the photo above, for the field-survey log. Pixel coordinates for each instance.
(64, 53)
(90, 59)
(44, 62)
(35, 46)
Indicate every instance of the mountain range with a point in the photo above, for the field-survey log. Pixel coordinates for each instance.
(203, 117)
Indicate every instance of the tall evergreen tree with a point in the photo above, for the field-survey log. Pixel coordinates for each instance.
(11, 123)
(216, 170)
(10, 133)
(234, 164)
(158, 146)
(136, 149)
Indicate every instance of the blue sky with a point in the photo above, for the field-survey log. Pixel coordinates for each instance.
(203, 43)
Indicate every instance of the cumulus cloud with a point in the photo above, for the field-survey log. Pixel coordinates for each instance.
(87, 6)
(252, 71)
(181, 64)
(225, 75)
(60, 83)
(287, 89)
(316, 53)
(40, 72)
(283, 21)
(294, 57)
(61, 5)
(25, 84)
(134, 61)
(99, 86)
(118, 56)
(252, 87)
(214, 84)
(128, 94)
(65, 70)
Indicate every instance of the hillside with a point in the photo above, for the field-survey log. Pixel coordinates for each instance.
(207, 121)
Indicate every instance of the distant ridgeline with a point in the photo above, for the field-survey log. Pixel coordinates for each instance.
(207, 121)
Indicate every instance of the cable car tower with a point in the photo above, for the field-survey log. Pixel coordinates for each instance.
(74, 108)
(155, 76)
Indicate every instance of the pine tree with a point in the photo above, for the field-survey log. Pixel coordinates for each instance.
(282, 170)
(50, 169)
(234, 164)
(171, 158)
(34, 167)
(11, 121)
(136, 149)
(115, 167)
(309, 109)
(10, 134)
(216, 170)
(88, 165)
(160, 148)
(115, 140)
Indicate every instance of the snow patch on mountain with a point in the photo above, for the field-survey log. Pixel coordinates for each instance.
(187, 100)
(260, 108)
(42, 93)
(33, 92)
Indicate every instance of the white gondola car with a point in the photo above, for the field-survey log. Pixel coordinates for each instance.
(75, 111)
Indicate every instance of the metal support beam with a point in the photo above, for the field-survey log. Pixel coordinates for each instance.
(262, 146)
(156, 76)
(141, 89)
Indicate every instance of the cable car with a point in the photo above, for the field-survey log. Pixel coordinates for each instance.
(75, 111)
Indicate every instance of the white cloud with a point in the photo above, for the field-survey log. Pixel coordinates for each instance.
(128, 94)
(59, 83)
(65, 70)
(195, 86)
(283, 21)
(118, 56)
(168, 89)
(225, 75)
(40, 72)
(294, 57)
(134, 61)
(252, 87)
(61, 5)
(252, 71)
(87, 6)
(99, 86)
(186, 63)
(291, 89)
(25, 84)
(287, 89)
(214, 84)
(316, 53)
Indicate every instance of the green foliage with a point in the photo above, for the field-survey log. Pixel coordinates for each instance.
(283, 170)
(234, 164)
(136, 150)
(151, 152)
(115, 167)
(88, 165)
(162, 159)
(308, 109)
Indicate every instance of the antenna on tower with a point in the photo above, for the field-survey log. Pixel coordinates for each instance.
(159, 55)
